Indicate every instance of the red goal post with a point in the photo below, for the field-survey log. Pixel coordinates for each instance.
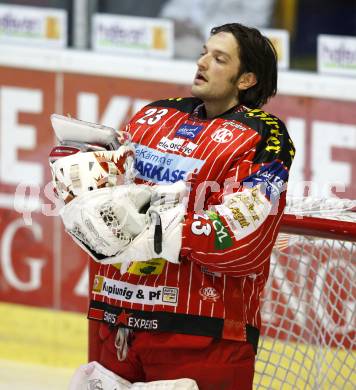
(308, 308)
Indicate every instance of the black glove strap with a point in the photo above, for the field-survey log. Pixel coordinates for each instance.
(158, 235)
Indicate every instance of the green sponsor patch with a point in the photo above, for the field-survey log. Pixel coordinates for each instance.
(223, 239)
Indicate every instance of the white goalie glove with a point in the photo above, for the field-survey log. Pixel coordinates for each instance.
(90, 156)
(104, 213)
(78, 131)
(113, 226)
(162, 234)
(104, 222)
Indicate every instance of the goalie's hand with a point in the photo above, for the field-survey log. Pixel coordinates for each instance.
(162, 235)
(104, 222)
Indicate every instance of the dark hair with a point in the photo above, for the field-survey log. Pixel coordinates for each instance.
(257, 55)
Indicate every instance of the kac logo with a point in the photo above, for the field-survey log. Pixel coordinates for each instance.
(209, 294)
(222, 136)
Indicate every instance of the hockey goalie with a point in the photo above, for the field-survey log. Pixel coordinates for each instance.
(181, 219)
(104, 211)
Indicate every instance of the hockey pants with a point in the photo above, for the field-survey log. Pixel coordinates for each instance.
(213, 364)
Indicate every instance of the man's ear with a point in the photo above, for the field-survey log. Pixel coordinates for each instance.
(246, 81)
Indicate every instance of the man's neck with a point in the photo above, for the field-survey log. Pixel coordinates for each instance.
(214, 109)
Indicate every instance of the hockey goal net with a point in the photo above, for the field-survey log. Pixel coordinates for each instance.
(308, 308)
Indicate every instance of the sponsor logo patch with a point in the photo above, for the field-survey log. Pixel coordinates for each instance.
(149, 267)
(223, 239)
(222, 135)
(245, 211)
(273, 142)
(271, 178)
(173, 145)
(127, 292)
(237, 125)
(189, 148)
(176, 145)
(162, 167)
(115, 319)
(98, 283)
(170, 295)
(130, 320)
(142, 323)
(189, 131)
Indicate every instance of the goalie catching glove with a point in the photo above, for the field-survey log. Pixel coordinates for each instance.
(90, 156)
(105, 214)
(104, 222)
(112, 226)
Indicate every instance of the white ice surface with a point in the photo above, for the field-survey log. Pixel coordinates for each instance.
(20, 376)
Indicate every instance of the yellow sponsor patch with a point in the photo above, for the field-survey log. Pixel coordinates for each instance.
(141, 268)
(98, 283)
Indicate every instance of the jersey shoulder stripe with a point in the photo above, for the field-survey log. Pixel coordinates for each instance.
(256, 119)
(187, 104)
(275, 142)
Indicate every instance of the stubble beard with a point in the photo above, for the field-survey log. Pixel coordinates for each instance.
(197, 92)
(202, 93)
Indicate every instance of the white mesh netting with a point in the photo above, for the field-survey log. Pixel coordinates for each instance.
(329, 208)
(308, 310)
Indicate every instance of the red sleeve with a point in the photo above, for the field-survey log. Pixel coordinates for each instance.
(236, 233)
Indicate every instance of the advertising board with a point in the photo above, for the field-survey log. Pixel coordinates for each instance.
(34, 26)
(336, 55)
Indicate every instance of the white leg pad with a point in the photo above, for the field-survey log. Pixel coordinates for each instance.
(177, 384)
(93, 376)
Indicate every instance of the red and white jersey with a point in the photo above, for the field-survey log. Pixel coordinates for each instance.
(237, 166)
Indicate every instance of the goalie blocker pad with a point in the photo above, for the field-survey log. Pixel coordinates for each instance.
(75, 130)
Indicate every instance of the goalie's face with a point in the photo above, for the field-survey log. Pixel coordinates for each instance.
(218, 79)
